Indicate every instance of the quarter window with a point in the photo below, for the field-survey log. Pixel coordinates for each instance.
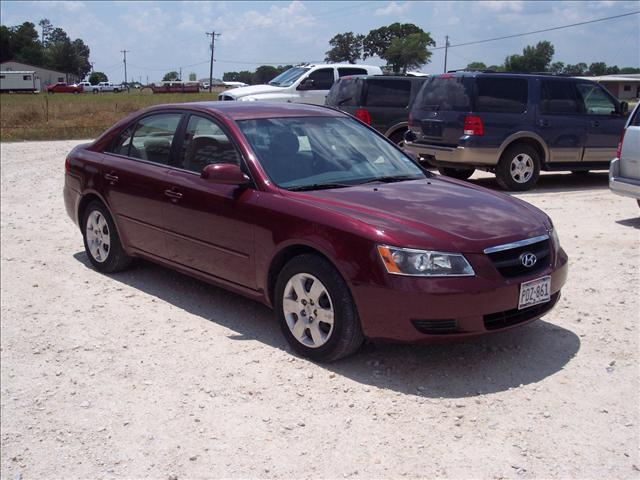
(595, 101)
(322, 79)
(343, 72)
(26, 77)
(501, 95)
(558, 97)
(205, 143)
(153, 138)
(388, 93)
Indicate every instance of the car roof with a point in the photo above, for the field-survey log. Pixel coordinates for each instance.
(254, 110)
(479, 73)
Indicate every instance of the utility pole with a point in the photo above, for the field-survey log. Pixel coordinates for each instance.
(124, 52)
(446, 47)
(91, 63)
(180, 73)
(213, 36)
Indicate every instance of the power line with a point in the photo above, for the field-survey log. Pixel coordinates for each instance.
(538, 31)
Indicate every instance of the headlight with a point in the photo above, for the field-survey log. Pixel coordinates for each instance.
(424, 263)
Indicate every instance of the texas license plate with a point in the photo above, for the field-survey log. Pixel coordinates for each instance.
(535, 292)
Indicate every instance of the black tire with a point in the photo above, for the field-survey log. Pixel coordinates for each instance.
(346, 336)
(397, 137)
(116, 259)
(459, 173)
(95, 91)
(509, 181)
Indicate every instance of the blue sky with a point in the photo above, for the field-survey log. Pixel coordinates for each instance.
(163, 36)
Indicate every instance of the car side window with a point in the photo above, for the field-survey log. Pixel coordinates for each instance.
(559, 97)
(206, 143)
(346, 71)
(153, 137)
(322, 79)
(388, 93)
(595, 101)
(501, 95)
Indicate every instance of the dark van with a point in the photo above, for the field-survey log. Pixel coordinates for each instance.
(514, 125)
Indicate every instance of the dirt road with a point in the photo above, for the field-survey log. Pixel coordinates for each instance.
(151, 374)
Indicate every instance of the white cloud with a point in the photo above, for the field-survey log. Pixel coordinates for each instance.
(392, 8)
(503, 6)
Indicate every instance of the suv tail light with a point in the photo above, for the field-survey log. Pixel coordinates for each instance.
(619, 151)
(363, 115)
(473, 125)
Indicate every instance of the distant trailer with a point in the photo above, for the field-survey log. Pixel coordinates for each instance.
(14, 81)
(176, 86)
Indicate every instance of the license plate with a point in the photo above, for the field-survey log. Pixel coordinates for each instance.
(534, 292)
(432, 128)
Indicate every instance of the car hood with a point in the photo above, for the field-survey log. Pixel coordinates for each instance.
(252, 90)
(435, 213)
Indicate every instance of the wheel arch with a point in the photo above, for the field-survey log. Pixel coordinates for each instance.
(395, 128)
(527, 138)
(86, 199)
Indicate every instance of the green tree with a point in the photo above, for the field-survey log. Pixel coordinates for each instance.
(379, 40)
(345, 47)
(193, 77)
(97, 77)
(556, 67)
(45, 28)
(597, 68)
(476, 66)
(628, 70)
(496, 68)
(170, 76)
(612, 70)
(533, 59)
(6, 43)
(244, 76)
(408, 52)
(264, 74)
(576, 70)
(25, 45)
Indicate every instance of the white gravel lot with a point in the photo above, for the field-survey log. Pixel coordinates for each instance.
(151, 374)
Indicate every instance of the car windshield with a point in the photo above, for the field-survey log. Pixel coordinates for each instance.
(286, 79)
(309, 153)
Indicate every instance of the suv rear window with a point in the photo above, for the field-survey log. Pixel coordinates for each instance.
(501, 95)
(446, 92)
(388, 93)
(345, 92)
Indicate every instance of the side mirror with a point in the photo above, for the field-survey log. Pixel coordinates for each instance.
(225, 174)
(624, 108)
(306, 84)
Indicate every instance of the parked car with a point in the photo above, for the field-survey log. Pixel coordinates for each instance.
(378, 100)
(514, 125)
(624, 174)
(301, 84)
(313, 213)
(63, 87)
(110, 87)
(87, 87)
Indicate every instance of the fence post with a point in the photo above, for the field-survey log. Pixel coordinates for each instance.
(46, 101)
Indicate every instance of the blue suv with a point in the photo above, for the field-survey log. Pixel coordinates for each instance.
(514, 125)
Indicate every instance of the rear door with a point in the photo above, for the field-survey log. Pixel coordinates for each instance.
(560, 121)
(209, 226)
(135, 178)
(603, 120)
(387, 101)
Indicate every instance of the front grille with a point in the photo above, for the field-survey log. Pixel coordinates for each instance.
(509, 264)
(508, 318)
(436, 327)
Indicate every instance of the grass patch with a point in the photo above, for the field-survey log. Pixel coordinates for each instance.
(66, 116)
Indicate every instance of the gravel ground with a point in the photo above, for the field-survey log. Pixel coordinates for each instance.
(151, 374)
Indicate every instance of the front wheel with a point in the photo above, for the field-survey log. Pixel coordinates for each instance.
(518, 168)
(459, 173)
(101, 240)
(317, 314)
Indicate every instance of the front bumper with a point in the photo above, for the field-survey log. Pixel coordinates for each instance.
(440, 155)
(425, 310)
(627, 187)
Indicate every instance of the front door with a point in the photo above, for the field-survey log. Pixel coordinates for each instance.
(209, 226)
(604, 123)
(135, 177)
(322, 79)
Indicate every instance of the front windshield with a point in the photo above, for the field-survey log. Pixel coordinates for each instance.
(308, 153)
(287, 78)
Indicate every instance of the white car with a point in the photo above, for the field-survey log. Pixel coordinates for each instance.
(110, 87)
(300, 84)
(624, 172)
(88, 88)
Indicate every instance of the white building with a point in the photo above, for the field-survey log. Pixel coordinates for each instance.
(45, 75)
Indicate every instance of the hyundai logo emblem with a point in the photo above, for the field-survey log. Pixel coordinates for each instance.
(528, 259)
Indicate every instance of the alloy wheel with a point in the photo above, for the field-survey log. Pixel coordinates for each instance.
(98, 236)
(522, 168)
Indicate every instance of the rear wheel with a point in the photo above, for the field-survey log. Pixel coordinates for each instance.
(459, 173)
(398, 138)
(101, 240)
(317, 314)
(518, 168)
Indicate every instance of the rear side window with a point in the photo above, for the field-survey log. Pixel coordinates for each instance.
(388, 93)
(558, 97)
(345, 92)
(446, 92)
(153, 137)
(343, 72)
(501, 95)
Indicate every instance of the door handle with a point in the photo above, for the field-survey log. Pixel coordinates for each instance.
(173, 194)
(543, 122)
(111, 177)
(595, 123)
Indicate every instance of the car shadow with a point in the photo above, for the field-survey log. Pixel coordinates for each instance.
(630, 222)
(489, 364)
(555, 182)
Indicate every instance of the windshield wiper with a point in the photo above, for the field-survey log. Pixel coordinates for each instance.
(319, 186)
(390, 179)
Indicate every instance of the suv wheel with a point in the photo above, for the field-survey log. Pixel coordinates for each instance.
(398, 138)
(317, 314)
(459, 173)
(518, 168)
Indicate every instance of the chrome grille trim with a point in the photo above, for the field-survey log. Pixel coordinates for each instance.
(519, 243)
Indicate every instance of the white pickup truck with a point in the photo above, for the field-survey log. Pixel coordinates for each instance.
(300, 84)
(88, 88)
(110, 87)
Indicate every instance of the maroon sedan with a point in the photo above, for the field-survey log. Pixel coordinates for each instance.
(315, 214)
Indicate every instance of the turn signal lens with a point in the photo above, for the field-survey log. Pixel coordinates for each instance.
(424, 263)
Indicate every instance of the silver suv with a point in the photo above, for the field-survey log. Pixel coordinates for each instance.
(624, 173)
